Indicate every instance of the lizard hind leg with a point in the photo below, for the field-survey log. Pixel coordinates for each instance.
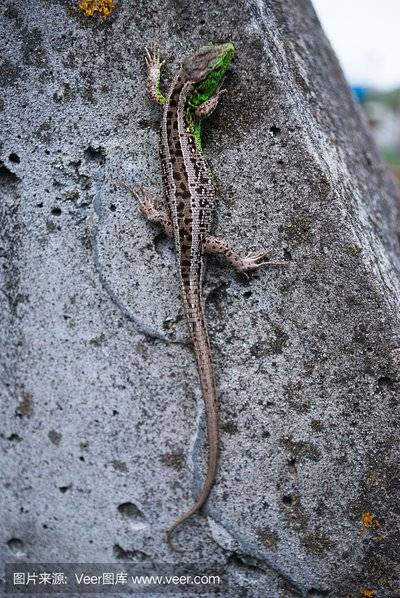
(246, 264)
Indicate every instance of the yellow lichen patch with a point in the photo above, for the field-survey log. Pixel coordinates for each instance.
(89, 7)
(367, 593)
(368, 520)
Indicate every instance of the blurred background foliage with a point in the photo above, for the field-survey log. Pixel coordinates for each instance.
(365, 36)
(383, 112)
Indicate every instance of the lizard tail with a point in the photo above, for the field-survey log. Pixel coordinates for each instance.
(202, 350)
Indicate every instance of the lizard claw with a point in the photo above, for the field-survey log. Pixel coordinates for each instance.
(269, 263)
(258, 255)
(253, 261)
(142, 196)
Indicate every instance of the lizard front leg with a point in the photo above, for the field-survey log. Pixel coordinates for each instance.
(154, 64)
(252, 261)
(208, 107)
(150, 212)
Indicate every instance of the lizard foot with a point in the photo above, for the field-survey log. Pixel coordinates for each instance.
(253, 261)
(146, 204)
(208, 107)
(142, 195)
(153, 58)
(148, 209)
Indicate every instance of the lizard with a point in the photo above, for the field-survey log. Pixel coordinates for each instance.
(193, 95)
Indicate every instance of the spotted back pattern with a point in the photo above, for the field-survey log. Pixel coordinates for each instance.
(190, 194)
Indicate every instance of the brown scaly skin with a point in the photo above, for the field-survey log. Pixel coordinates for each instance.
(190, 195)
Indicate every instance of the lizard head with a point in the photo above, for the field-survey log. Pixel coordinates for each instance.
(207, 68)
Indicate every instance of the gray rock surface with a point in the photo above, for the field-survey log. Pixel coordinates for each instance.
(101, 419)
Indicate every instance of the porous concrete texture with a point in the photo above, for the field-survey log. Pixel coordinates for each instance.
(102, 422)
